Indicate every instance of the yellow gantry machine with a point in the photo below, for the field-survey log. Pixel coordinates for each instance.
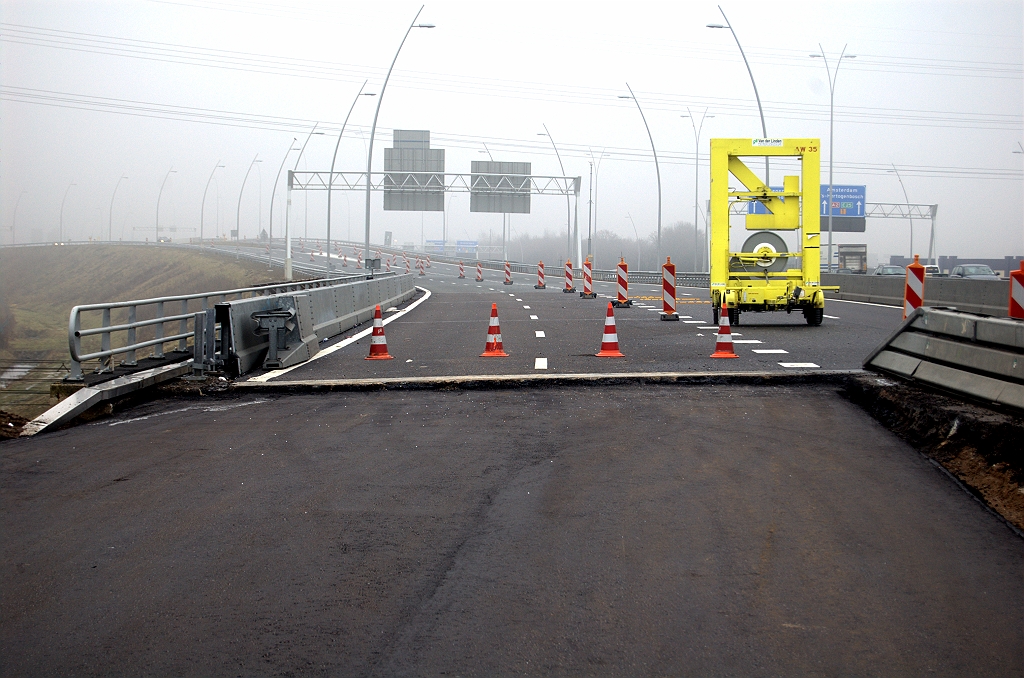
(758, 277)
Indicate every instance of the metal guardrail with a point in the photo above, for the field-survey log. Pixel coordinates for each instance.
(158, 306)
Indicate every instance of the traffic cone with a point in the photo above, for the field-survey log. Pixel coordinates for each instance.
(610, 340)
(378, 343)
(493, 349)
(723, 347)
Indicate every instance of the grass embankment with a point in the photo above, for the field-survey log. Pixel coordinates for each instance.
(40, 285)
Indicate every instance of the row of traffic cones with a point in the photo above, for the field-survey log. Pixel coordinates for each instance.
(494, 348)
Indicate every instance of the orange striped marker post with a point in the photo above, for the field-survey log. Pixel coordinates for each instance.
(407, 269)
(588, 280)
(668, 290)
(359, 260)
(419, 265)
(387, 264)
(1017, 293)
(321, 250)
(493, 347)
(462, 270)
(428, 261)
(540, 277)
(913, 293)
(378, 343)
(344, 261)
(723, 346)
(610, 339)
(311, 257)
(569, 286)
(479, 272)
(622, 276)
(508, 274)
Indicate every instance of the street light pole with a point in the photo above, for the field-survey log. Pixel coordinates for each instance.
(238, 211)
(568, 209)
(330, 179)
(832, 75)
(62, 210)
(288, 207)
(110, 219)
(202, 209)
(764, 130)
(628, 216)
(657, 169)
(907, 200)
(698, 265)
(273, 194)
(14, 222)
(373, 129)
(592, 233)
(160, 195)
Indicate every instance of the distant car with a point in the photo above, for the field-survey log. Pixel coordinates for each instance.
(974, 272)
(932, 269)
(163, 238)
(889, 269)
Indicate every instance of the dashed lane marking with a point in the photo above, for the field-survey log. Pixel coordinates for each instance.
(539, 333)
(746, 341)
(770, 350)
(798, 365)
(830, 317)
(533, 317)
(693, 322)
(540, 364)
(526, 307)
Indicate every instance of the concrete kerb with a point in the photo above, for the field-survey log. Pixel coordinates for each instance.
(512, 381)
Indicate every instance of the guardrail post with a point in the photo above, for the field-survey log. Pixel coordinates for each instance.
(158, 351)
(106, 364)
(130, 360)
(75, 374)
(183, 327)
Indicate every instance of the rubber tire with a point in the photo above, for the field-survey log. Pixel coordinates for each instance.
(714, 315)
(734, 317)
(814, 316)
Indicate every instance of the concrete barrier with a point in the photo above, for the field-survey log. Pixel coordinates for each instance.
(966, 353)
(319, 314)
(974, 296)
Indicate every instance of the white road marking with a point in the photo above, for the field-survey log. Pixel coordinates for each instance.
(263, 378)
(862, 303)
(533, 317)
(693, 322)
(526, 307)
(538, 333)
(686, 316)
(540, 364)
(798, 365)
(830, 317)
(746, 341)
(490, 288)
(769, 350)
(517, 299)
(708, 327)
(409, 360)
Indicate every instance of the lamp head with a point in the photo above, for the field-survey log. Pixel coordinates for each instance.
(716, 26)
(425, 26)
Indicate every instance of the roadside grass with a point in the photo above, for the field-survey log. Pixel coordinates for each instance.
(40, 285)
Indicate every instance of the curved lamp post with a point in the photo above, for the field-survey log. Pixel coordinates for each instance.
(595, 165)
(202, 209)
(657, 169)
(330, 178)
(764, 130)
(273, 194)
(62, 210)
(568, 209)
(373, 129)
(288, 207)
(158, 196)
(628, 216)
(697, 265)
(110, 218)
(907, 200)
(832, 75)
(238, 211)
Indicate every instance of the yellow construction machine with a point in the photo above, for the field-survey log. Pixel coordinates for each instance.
(763, 275)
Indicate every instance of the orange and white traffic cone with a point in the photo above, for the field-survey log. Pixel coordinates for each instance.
(723, 347)
(378, 343)
(493, 348)
(462, 270)
(610, 340)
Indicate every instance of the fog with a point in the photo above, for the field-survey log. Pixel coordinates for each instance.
(93, 91)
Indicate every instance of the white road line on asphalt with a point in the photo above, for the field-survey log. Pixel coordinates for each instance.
(862, 303)
(708, 327)
(770, 350)
(830, 317)
(734, 334)
(685, 317)
(518, 299)
(746, 341)
(798, 365)
(263, 378)
(490, 288)
(540, 364)
(526, 307)
(538, 333)
(533, 317)
(693, 322)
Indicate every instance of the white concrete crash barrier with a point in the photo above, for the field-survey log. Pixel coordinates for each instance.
(965, 353)
(318, 315)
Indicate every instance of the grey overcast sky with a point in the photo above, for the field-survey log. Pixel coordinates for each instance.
(92, 91)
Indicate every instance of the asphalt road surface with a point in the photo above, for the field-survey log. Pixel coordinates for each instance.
(553, 332)
(630, 530)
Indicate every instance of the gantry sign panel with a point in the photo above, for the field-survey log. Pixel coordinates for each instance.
(502, 187)
(415, 173)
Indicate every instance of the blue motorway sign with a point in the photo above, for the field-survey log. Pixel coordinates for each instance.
(847, 201)
(466, 244)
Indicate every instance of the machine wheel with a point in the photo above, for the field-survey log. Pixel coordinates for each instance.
(734, 317)
(714, 315)
(814, 316)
